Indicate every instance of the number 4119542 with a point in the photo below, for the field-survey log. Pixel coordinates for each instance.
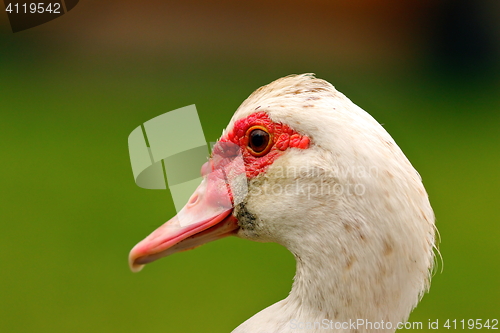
(33, 8)
(471, 324)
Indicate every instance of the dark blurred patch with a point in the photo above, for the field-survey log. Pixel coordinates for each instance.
(462, 39)
(70, 4)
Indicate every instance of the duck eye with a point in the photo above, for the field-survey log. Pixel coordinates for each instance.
(259, 140)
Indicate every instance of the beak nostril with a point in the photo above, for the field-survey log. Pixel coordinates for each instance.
(193, 199)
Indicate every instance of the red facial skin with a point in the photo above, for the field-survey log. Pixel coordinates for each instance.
(282, 137)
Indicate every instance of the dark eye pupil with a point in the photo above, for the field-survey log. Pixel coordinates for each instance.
(258, 140)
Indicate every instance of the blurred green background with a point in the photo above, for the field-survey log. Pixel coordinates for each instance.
(73, 89)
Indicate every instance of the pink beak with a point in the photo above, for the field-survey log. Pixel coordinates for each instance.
(206, 217)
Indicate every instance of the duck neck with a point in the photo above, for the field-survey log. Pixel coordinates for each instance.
(337, 290)
(353, 284)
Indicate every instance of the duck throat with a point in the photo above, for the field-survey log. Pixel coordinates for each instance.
(336, 289)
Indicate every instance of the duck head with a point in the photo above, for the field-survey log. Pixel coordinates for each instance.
(301, 165)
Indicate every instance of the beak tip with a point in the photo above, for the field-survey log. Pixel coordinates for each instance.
(134, 267)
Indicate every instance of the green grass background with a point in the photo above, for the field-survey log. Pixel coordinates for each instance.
(70, 211)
